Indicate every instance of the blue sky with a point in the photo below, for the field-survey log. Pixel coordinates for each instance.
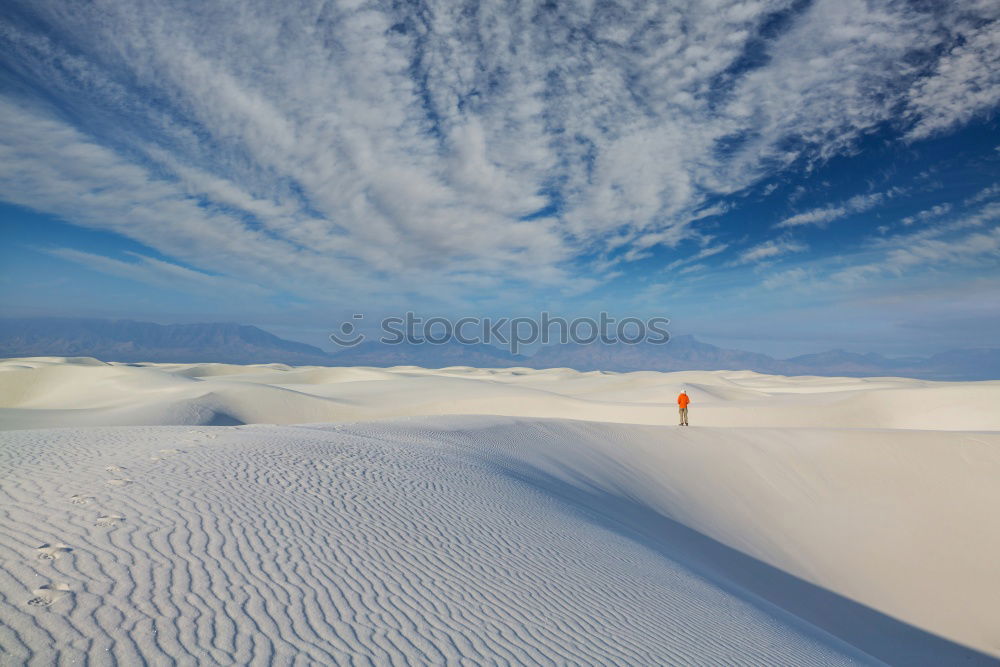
(778, 176)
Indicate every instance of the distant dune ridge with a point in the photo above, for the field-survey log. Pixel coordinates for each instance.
(57, 391)
(493, 515)
(126, 340)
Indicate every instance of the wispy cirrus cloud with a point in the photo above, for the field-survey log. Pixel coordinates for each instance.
(986, 194)
(785, 279)
(979, 248)
(156, 272)
(927, 214)
(704, 253)
(965, 81)
(769, 250)
(969, 241)
(821, 216)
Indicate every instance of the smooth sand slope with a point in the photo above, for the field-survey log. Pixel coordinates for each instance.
(570, 526)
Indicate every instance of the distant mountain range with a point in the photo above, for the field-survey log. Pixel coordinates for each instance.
(126, 340)
(428, 355)
(688, 353)
(129, 341)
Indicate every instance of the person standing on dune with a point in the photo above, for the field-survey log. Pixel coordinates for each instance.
(682, 403)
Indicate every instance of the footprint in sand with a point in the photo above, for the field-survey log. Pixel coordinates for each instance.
(48, 594)
(117, 482)
(109, 520)
(52, 551)
(166, 453)
(81, 500)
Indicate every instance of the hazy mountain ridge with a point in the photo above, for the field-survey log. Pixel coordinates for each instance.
(681, 353)
(373, 353)
(130, 341)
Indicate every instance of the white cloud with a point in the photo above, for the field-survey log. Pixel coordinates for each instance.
(694, 268)
(966, 242)
(156, 272)
(789, 278)
(704, 253)
(856, 275)
(927, 214)
(769, 250)
(373, 149)
(969, 242)
(826, 214)
(936, 251)
(980, 218)
(986, 194)
(965, 82)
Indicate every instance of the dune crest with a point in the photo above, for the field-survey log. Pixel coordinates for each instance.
(55, 391)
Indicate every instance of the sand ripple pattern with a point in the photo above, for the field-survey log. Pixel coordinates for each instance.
(356, 545)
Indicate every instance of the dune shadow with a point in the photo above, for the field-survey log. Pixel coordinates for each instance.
(876, 634)
(222, 419)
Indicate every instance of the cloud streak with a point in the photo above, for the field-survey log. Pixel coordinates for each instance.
(769, 250)
(158, 273)
(821, 216)
(968, 242)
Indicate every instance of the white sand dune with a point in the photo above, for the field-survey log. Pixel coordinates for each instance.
(494, 516)
(56, 391)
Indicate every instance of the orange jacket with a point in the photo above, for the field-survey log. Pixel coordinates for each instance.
(683, 400)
